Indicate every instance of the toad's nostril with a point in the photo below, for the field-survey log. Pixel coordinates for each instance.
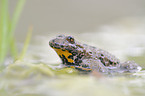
(56, 44)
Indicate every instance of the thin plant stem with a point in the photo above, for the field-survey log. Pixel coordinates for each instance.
(26, 43)
(4, 30)
(13, 24)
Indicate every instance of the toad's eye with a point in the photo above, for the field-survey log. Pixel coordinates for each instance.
(70, 39)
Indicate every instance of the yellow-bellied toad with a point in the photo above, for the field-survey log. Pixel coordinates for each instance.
(87, 58)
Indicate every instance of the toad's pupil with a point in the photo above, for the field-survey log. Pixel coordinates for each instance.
(69, 38)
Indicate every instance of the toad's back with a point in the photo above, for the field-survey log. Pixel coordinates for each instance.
(105, 57)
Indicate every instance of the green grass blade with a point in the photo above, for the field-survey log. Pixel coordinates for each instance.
(13, 49)
(0, 21)
(16, 16)
(4, 29)
(26, 43)
(13, 24)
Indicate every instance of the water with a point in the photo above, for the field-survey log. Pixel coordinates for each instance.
(27, 79)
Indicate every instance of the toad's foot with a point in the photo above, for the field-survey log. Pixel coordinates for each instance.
(129, 66)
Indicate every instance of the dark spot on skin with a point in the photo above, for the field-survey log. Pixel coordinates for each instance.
(84, 51)
(80, 55)
(56, 44)
(60, 56)
(77, 61)
(73, 47)
(87, 54)
(102, 60)
(53, 40)
(80, 61)
(85, 66)
(51, 45)
(105, 63)
(62, 46)
(65, 61)
(70, 51)
(90, 52)
(110, 62)
(70, 56)
(63, 49)
(57, 47)
(67, 48)
(80, 46)
(74, 53)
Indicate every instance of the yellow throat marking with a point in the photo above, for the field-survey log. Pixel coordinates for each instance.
(65, 53)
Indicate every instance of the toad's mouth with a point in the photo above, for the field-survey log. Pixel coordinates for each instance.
(54, 45)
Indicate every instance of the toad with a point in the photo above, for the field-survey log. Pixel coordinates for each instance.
(88, 58)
